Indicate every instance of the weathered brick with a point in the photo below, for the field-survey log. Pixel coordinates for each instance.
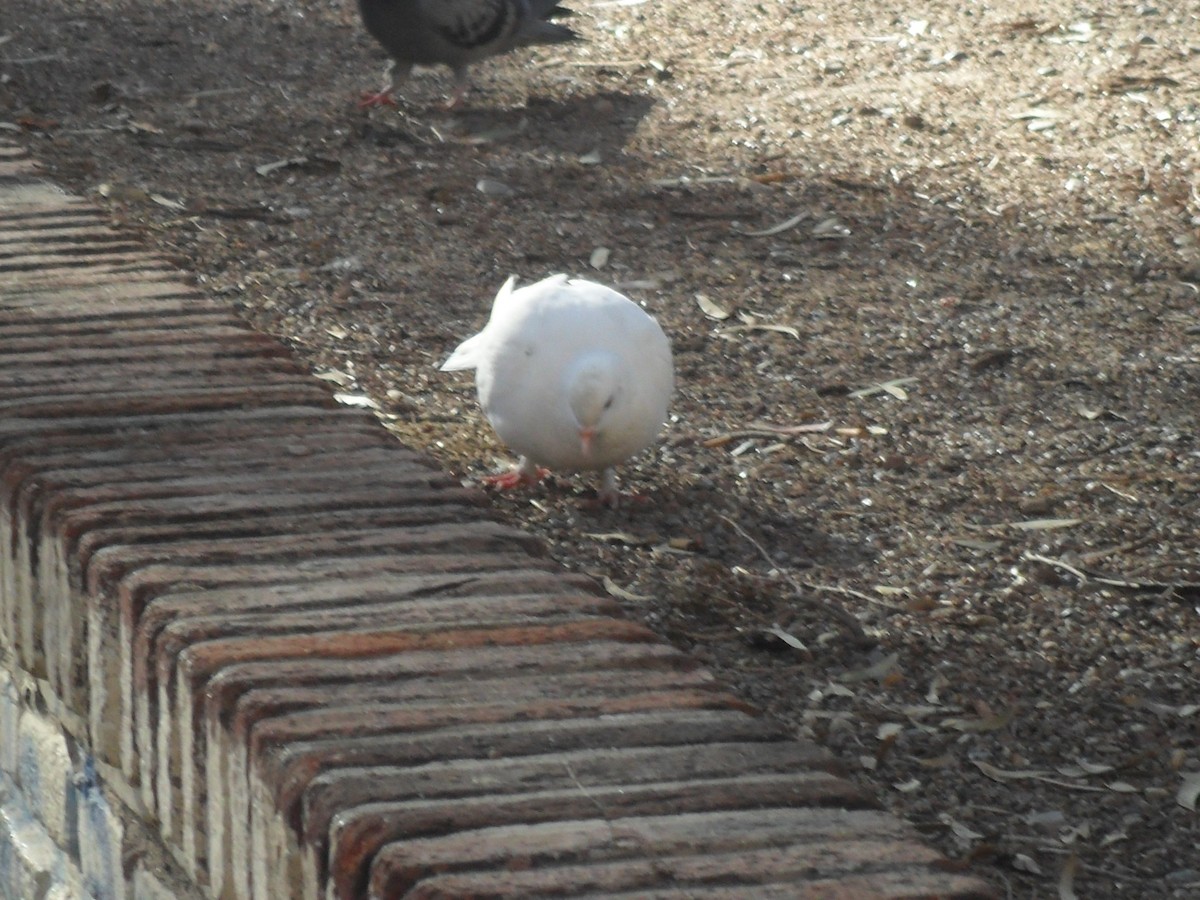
(112, 623)
(229, 789)
(132, 404)
(823, 871)
(195, 664)
(139, 686)
(584, 770)
(359, 833)
(401, 867)
(740, 847)
(101, 304)
(182, 316)
(46, 608)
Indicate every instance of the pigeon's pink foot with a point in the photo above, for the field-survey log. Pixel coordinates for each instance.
(375, 99)
(522, 475)
(459, 94)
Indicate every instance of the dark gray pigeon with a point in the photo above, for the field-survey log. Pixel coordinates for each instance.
(456, 33)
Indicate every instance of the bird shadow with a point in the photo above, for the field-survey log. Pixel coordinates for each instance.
(600, 123)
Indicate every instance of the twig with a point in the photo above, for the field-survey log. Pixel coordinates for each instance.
(847, 619)
(850, 592)
(1095, 555)
(765, 429)
(1187, 590)
(1058, 564)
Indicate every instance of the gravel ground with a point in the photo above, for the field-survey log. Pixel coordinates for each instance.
(929, 492)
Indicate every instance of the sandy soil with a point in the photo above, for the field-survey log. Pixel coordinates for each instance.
(929, 493)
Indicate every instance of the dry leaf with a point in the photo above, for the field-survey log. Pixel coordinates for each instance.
(1066, 878)
(122, 193)
(936, 685)
(360, 401)
(789, 639)
(168, 202)
(620, 593)
(830, 229)
(781, 227)
(1083, 768)
(268, 168)
(342, 379)
(144, 128)
(892, 387)
(879, 671)
(1121, 787)
(490, 187)
(1044, 524)
(807, 428)
(1039, 112)
(711, 308)
(765, 326)
(997, 774)
(1189, 791)
(1024, 863)
(959, 830)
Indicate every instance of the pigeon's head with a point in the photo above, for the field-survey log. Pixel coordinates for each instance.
(593, 390)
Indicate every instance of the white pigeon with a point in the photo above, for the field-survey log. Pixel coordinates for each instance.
(572, 375)
(456, 33)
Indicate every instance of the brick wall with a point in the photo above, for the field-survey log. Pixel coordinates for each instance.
(63, 833)
(252, 648)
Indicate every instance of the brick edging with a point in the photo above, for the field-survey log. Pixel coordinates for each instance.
(260, 628)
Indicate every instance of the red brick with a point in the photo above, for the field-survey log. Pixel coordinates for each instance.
(823, 870)
(514, 848)
(358, 834)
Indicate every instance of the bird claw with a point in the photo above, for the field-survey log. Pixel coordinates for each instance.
(375, 99)
(514, 478)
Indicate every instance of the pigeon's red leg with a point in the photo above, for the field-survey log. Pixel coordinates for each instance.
(393, 74)
(373, 99)
(460, 89)
(524, 474)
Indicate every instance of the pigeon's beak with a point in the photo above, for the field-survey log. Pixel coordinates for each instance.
(587, 435)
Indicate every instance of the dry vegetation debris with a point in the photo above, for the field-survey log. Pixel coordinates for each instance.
(931, 487)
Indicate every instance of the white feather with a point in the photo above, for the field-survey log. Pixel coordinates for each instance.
(567, 356)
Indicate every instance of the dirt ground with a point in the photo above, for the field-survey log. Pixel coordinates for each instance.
(929, 492)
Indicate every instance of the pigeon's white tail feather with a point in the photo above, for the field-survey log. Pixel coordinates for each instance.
(504, 293)
(465, 355)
